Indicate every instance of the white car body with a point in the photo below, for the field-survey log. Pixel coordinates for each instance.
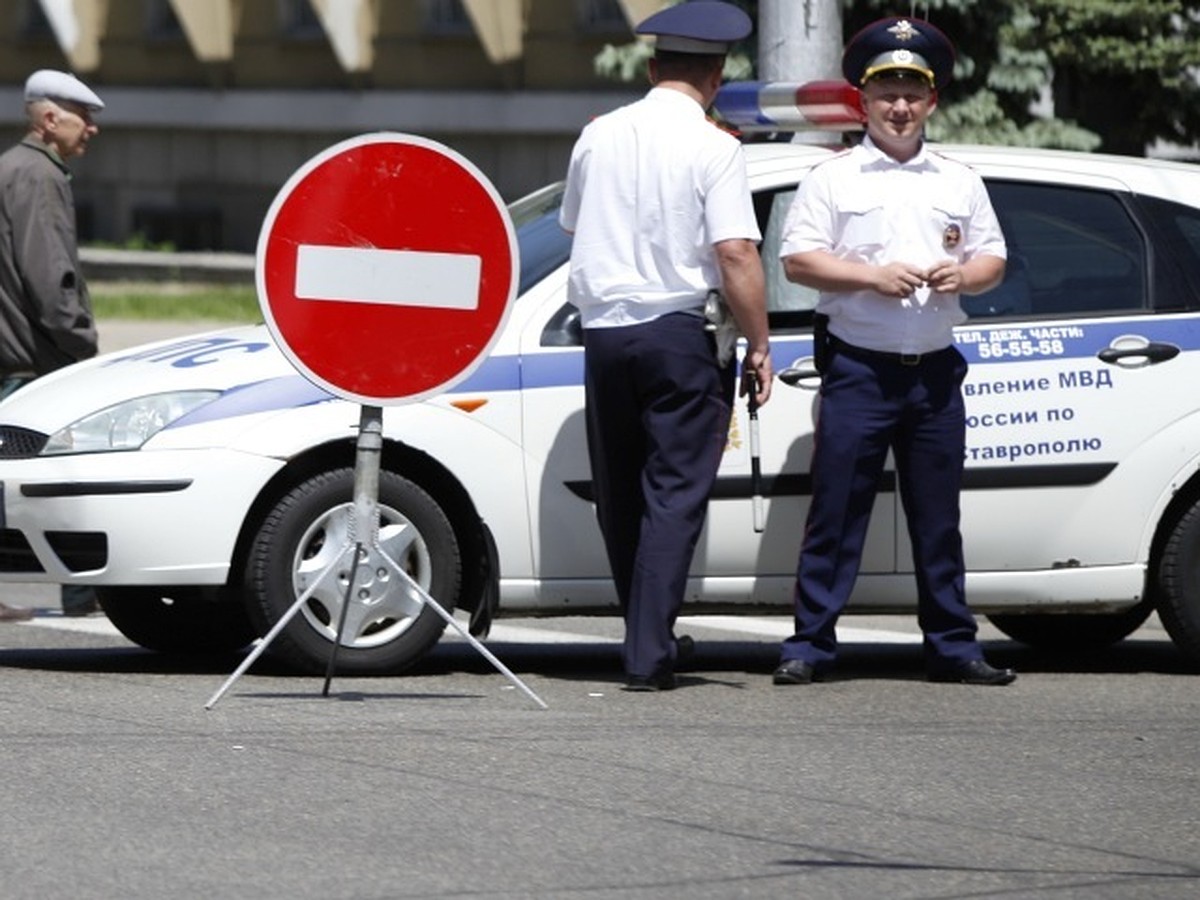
(1081, 472)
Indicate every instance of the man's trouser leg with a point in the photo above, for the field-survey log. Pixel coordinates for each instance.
(854, 426)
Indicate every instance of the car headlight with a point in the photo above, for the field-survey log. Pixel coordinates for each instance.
(126, 425)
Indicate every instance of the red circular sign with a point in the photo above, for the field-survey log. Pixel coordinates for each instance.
(386, 267)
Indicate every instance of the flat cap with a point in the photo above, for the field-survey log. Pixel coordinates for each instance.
(896, 45)
(698, 26)
(50, 84)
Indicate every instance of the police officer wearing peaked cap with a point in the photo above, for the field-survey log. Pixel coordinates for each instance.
(659, 204)
(704, 27)
(890, 234)
(899, 46)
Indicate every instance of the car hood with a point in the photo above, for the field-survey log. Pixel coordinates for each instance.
(236, 361)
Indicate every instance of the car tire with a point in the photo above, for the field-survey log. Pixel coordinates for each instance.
(306, 530)
(178, 620)
(1179, 585)
(1072, 632)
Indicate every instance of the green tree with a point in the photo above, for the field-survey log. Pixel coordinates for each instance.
(1128, 70)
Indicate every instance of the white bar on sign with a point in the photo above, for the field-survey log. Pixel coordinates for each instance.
(395, 277)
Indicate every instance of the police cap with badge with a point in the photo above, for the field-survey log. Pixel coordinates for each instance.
(899, 46)
(50, 84)
(699, 26)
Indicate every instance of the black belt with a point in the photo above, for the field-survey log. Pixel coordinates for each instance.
(903, 359)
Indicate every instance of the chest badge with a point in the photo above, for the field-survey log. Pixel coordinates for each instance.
(951, 236)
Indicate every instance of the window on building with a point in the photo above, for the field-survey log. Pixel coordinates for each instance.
(161, 22)
(447, 17)
(298, 20)
(600, 15)
(32, 24)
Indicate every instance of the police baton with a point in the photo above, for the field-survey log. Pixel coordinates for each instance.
(756, 500)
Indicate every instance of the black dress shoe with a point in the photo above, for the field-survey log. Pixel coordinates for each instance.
(976, 672)
(648, 683)
(794, 671)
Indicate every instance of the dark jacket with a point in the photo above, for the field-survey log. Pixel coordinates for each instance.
(46, 319)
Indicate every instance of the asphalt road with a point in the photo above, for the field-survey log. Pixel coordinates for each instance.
(1077, 781)
(120, 334)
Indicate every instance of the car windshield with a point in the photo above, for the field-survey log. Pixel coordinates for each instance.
(542, 243)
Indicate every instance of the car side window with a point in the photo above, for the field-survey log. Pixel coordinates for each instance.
(784, 298)
(1070, 251)
(1174, 234)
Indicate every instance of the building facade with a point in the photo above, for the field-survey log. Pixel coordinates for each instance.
(212, 104)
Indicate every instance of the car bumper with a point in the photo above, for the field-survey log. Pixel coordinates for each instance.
(138, 518)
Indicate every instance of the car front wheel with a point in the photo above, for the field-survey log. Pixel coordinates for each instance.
(307, 544)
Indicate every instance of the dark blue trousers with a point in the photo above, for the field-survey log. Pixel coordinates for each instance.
(870, 404)
(658, 409)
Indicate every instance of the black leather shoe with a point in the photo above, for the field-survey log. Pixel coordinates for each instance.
(976, 672)
(648, 683)
(794, 671)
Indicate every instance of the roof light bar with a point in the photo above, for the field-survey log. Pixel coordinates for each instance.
(788, 106)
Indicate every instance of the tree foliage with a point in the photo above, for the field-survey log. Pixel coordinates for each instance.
(1127, 69)
(1114, 75)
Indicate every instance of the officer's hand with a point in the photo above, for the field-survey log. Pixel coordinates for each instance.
(898, 279)
(757, 375)
(945, 277)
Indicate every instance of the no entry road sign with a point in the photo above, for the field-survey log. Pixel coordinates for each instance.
(385, 268)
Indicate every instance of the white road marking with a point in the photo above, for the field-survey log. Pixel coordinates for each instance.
(772, 628)
(392, 277)
(82, 624)
(782, 628)
(519, 634)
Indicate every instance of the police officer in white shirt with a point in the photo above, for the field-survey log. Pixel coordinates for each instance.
(890, 234)
(659, 204)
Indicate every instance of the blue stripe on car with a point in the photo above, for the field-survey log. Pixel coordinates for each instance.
(563, 368)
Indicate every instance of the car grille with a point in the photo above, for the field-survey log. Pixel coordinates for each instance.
(79, 551)
(20, 443)
(15, 553)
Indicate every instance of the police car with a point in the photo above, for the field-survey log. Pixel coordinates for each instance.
(202, 484)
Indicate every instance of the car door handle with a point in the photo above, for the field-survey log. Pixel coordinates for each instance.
(794, 374)
(1153, 352)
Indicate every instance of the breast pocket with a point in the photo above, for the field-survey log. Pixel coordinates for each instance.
(863, 227)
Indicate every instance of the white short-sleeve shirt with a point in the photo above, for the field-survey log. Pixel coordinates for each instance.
(651, 187)
(865, 206)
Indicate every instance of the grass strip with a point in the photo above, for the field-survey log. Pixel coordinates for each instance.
(174, 301)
